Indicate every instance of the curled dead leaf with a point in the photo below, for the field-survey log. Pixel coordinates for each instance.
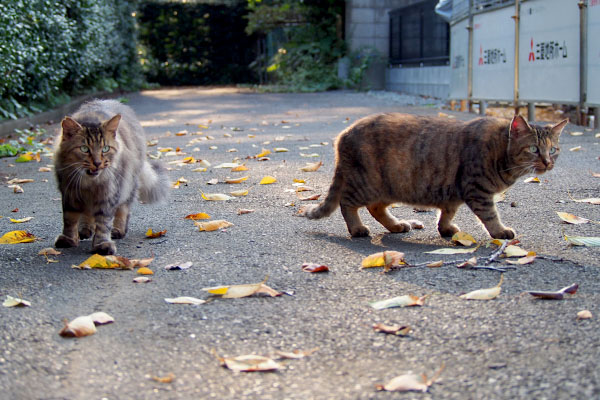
(484, 294)
(15, 302)
(197, 216)
(557, 295)
(185, 300)
(312, 267)
(211, 226)
(312, 167)
(398, 330)
(584, 314)
(295, 354)
(250, 363)
(150, 234)
(407, 300)
(169, 378)
(242, 211)
(464, 239)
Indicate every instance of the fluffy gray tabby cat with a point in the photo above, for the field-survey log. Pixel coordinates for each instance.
(101, 167)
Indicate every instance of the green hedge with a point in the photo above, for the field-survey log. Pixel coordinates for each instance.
(50, 50)
(195, 43)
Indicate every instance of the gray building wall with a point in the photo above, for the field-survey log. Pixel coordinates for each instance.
(368, 26)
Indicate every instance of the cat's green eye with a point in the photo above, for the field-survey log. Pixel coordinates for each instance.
(552, 150)
(84, 149)
(533, 149)
(105, 149)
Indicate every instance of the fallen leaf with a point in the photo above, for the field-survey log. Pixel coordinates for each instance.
(15, 302)
(584, 314)
(394, 258)
(16, 189)
(295, 354)
(104, 262)
(312, 267)
(242, 211)
(267, 180)
(145, 271)
(169, 378)
(239, 168)
(528, 259)
(407, 300)
(453, 250)
(576, 133)
(179, 266)
(101, 318)
(153, 235)
(309, 155)
(227, 165)
(236, 180)
(280, 150)
(14, 237)
(470, 263)
(239, 193)
(398, 330)
(576, 148)
(590, 200)
(263, 153)
(557, 295)
(484, 294)
(238, 291)
(212, 225)
(515, 251)
(197, 216)
(250, 363)
(309, 198)
(20, 220)
(435, 264)
(79, 327)
(19, 181)
(589, 241)
(213, 181)
(533, 179)
(142, 279)
(49, 251)
(140, 262)
(185, 300)
(215, 196)
(464, 239)
(572, 219)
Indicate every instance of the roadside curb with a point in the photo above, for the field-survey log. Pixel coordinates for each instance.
(50, 117)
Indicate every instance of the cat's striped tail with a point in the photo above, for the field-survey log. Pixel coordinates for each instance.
(154, 183)
(331, 202)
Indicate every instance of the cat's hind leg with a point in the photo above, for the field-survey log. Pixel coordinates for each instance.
(120, 222)
(381, 213)
(445, 226)
(69, 236)
(87, 226)
(353, 222)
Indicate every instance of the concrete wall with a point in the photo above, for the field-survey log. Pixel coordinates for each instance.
(425, 81)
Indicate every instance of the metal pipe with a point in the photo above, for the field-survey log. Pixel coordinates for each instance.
(470, 59)
(582, 61)
(517, 18)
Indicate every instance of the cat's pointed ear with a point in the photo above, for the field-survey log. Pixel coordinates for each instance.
(70, 128)
(519, 127)
(558, 128)
(111, 125)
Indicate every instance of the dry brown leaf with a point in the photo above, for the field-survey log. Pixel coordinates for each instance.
(49, 251)
(170, 377)
(464, 239)
(242, 211)
(150, 234)
(572, 219)
(15, 302)
(295, 354)
(407, 300)
(197, 216)
(312, 267)
(312, 167)
(557, 295)
(398, 330)
(484, 294)
(411, 382)
(211, 226)
(19, 181)
(80, 326)
(435, 264)
(584, 314)
(250, 363)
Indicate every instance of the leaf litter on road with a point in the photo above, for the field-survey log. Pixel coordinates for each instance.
(484, 294)
(15, 302)
(411, 382)
(14, 237)
(407, 300)
(85, 325)
(397, 329)
(244, 290)
(556, 295)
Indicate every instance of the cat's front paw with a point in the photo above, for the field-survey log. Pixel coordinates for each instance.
(448, 231)
(360, 231)
(506, 233)
(105, 248)
(85, 232)
(63, 241)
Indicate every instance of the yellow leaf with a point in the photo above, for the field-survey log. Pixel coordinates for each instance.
(572, 219)
(239, 168)
(280, 150)
(14, 237)
(263, 153)
(236, 180)
(104, 262)
(145, 271)
(21, 220)
(215, 196)
(299, 181)
(213, 225)
(239, 193)
(514, 251)
(312, 167)
(533, 179)
(165, 149)
(238, 291)
(309, 155)
(408, 300)
(463, 238)
(379, 259)
(267, 180)
(528, 259)
(484, 294)
(576, 148)
(153, 235)
(197, 216)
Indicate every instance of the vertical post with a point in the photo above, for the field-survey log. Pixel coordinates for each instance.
(582, 62)
(470, 59)
(517, 18)
(531, 112)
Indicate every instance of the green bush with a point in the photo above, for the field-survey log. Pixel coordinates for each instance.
(195, 42)
(51, 50)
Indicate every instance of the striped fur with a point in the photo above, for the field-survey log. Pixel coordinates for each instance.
(101, 165)
(433, 162)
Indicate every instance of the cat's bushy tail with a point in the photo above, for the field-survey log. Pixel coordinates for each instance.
(331, 202)
(154, 183)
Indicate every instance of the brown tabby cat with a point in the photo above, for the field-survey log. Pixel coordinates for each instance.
(100, 167)
(433, 162)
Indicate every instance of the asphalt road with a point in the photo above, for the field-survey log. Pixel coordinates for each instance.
(513, 347)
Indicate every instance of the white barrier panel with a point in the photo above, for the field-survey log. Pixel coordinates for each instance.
(549, 51)
(494, 55)
(459, 58)
(593, 75)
